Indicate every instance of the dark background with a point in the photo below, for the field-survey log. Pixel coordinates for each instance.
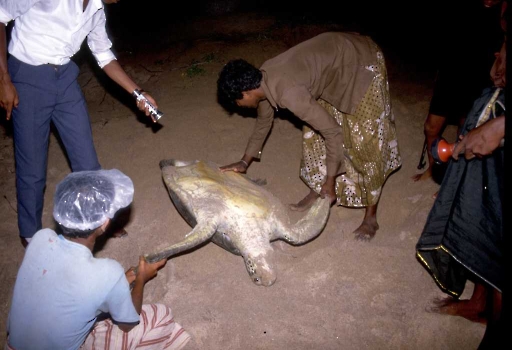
(421, 31)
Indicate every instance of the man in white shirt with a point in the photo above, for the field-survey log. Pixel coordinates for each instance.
(38, 86)
(65, 298)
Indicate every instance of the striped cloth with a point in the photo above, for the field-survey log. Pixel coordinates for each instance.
(156, 330)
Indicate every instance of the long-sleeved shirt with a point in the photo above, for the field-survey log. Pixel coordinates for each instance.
(330, 66)
(52, 31)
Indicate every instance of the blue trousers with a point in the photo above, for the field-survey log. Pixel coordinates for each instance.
(47, 94)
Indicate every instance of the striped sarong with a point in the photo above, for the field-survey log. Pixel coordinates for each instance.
(156, 330)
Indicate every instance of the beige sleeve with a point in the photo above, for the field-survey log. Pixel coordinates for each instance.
(263, 125)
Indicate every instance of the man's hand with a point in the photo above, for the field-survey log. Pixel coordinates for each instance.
(115, 72)
(238, 167)
(481, 141)
(141, 105)
(146, 271)
(8, 95)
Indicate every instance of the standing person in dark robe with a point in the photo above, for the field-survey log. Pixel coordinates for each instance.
(463, 238)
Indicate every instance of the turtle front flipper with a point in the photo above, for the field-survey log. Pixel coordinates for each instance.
(202, 232)
(310, 226)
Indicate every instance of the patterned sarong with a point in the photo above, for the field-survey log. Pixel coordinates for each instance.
(370, 146)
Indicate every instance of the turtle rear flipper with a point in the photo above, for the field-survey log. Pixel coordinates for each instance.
(310, 226)
(202, 232)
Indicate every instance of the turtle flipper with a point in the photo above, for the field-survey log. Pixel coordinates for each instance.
(202, 232)
(309, 226)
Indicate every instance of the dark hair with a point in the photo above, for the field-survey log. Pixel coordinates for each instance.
(76, 233)
(236, 77)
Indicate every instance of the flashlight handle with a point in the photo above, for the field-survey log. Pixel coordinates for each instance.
(442, 150)
(154, 113)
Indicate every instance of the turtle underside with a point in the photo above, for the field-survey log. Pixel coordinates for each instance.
(235, 213)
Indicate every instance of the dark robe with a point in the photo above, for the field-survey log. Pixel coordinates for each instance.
(463, 235)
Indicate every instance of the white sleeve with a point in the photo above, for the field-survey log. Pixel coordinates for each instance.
(98, 40)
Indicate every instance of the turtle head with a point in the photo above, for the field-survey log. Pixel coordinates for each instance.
(260, 270)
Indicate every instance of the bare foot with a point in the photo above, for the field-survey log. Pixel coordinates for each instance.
(367, 230)
(306, 202)
(463, 308)
(427, 174)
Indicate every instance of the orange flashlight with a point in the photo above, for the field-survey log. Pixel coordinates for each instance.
(442, 150)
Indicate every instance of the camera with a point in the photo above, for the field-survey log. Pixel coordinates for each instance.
(154, 113)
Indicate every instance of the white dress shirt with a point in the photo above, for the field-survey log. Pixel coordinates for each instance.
(52, 31)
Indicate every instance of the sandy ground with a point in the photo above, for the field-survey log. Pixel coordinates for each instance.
(331, 293)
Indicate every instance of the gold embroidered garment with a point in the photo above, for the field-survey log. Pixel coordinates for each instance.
(370, 145)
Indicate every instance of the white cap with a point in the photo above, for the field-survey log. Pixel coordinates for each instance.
(85, 199)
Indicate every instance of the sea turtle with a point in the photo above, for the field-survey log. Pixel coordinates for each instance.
(235, 213)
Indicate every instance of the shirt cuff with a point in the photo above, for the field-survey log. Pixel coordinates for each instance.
(104, 58)
(253, 152)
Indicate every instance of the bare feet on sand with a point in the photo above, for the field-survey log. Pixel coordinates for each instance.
(464, 308)
(306, 202)
(369, 226)
(367, 230)
(427, 174)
